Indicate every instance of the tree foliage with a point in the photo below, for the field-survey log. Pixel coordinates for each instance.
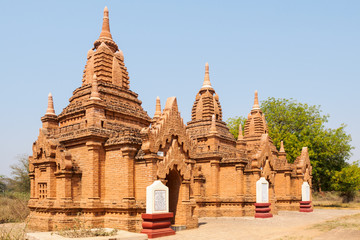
(20, 181)
(300, 125)
(233, 124)
(347, 181)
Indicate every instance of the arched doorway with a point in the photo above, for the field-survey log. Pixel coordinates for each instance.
(174, 181)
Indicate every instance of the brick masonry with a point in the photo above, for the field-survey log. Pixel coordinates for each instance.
(94, 160)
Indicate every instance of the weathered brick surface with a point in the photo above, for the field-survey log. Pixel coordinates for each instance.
(93, 161)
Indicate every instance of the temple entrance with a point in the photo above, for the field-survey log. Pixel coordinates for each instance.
(174, 181)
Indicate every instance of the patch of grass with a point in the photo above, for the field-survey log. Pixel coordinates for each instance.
(333, 200)
(13, 208)
(351, 221)
(294, 238)
(73, 233)
(12, 232)
(79, 230)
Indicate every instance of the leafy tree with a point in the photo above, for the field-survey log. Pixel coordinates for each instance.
(300, 125)
(233, 124)
(347, 181)
(20, 175)
(2, 184)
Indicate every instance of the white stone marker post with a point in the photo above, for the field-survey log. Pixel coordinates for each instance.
(305, 203)
(157, 219)
(157, 198)
(262, 205)
(305, 191)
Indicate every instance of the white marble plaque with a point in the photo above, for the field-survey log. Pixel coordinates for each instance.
(160, 200)
(157, 198)
(262, 191)
(305, 191)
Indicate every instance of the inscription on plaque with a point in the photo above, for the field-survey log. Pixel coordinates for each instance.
(264, 192)
(160, 200)
(305, 191)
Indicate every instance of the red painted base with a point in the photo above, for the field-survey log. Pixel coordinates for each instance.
(262, 210)
(157, 224)
(305, 206)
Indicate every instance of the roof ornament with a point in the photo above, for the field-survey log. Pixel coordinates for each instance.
(157, 108)
(282, 149)
(50, 109)
(207, 83)
(240, 136)
(256, 102)
(105, 31)
(94, 89)
(213, 125)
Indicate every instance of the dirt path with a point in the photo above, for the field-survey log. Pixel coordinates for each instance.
(329, 224)
(286, 225)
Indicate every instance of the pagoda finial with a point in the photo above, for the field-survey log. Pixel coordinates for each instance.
(240, 136)
(105, 31)
(94, 89)
(282, 149)
(207, 83)
(50, 109)
(213, 125)
(158, 108)
(256, 101)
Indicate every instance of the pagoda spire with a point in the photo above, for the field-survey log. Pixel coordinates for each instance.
(105, 31)
(240, 136)
(50, 109)
(94, 89)
(105, 35)
(158, 108)
(207, 83)
(282, 149)
(256, 102)
(213, 125)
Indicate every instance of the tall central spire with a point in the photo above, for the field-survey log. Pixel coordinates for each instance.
(207, 83)
(105, 31)
(256, 101)
(105, 35)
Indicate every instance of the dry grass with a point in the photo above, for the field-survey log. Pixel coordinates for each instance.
(80, 230)
(13, 208)
(347, 222)
(12, 231)
(333, 200)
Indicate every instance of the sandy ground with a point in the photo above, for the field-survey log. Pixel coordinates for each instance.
(285, 225)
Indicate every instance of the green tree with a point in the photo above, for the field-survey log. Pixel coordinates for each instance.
(300, 125)
(20, 181)
(233, 124)
(347, 181)
(2, 184)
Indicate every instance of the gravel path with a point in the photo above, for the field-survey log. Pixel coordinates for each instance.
(285, 225)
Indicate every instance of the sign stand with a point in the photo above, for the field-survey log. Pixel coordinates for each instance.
(157, 219)
(305, 203)
(262, 205)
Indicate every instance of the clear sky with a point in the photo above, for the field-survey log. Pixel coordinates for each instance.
(305, 50)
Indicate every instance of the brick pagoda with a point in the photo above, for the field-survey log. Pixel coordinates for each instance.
(96, 158)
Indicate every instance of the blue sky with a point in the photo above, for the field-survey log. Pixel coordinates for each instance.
(305, 50)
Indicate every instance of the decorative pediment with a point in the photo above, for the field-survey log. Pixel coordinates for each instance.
(46, 149)
(174, 158)
(302, 163)
(168, 126)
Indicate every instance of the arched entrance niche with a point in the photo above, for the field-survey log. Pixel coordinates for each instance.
(173, 182)
(175, 172)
